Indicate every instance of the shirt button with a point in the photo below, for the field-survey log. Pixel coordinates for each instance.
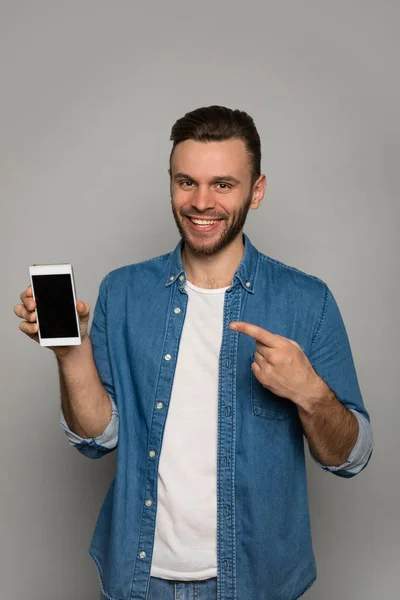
(159, 404)
(142, 554)
(181, 277)
(167, 357)
(171, 278)
(248, 284)
(152, 453)
(148, 503)
(177, 310)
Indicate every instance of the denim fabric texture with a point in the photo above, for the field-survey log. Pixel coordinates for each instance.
(264, 545)
(164, 589)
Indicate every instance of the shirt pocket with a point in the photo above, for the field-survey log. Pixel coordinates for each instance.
(266, 404)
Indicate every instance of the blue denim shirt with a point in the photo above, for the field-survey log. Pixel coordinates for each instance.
(264, 546)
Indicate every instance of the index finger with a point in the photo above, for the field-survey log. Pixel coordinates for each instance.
(254, 331)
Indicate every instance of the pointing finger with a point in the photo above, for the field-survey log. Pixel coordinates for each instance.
(258, 333)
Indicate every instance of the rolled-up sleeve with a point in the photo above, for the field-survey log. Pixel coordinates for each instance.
(332, 359)
(108, 440)
(360, 454)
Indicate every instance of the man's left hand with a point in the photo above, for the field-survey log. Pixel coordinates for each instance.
(281, 365)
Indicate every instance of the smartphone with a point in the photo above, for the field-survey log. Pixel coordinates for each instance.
(54, 293)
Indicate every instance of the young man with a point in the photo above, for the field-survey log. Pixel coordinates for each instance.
(208, 366)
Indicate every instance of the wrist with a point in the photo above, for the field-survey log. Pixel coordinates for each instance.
(69, 354)
(318, 395)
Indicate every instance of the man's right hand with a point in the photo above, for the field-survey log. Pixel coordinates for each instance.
(29, 326)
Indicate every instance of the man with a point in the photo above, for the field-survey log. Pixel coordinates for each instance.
(246, 356)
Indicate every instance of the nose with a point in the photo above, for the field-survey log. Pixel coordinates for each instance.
(202, 199)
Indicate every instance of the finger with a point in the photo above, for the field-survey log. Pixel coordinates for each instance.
(23, 313)
(258, 333)
(28, 301)
(26, 293)
(256, 368)
(259, 358)
(263, 349)
(29, 328)
(83, 310)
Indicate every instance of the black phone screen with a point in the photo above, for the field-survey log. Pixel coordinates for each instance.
(55, 305)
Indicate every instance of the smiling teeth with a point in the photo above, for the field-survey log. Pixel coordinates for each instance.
(203, 222)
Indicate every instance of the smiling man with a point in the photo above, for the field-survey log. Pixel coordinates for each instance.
(209, 367)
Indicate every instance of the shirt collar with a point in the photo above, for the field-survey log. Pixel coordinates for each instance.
(246, 273)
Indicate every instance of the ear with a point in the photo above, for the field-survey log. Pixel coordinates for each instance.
(258, 192)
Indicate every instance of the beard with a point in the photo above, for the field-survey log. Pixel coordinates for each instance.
(230, 230)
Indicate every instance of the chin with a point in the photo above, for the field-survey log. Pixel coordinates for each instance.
(207, 247)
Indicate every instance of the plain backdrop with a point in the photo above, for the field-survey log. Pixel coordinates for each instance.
(89, 92)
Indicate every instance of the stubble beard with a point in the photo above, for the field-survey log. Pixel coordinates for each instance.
(228, 234)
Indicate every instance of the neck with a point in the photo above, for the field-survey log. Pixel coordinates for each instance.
(215, 270)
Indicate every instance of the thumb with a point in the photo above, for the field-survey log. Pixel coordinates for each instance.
(83, 310)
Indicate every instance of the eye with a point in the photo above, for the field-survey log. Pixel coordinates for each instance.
(226, 186)
(183, 183)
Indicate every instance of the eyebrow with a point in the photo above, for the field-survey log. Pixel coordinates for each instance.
(228, 178)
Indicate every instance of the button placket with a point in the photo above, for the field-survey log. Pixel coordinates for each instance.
(226, 451)
(162, 398)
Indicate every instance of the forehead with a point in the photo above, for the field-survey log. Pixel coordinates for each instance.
(205, 159)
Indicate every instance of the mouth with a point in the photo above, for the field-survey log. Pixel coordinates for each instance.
(205, 225)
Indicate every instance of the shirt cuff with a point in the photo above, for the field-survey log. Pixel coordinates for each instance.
(109, 437)
(361, 451)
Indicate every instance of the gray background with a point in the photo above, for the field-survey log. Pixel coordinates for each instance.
(89, 92)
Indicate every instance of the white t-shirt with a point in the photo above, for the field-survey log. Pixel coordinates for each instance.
(185, 545)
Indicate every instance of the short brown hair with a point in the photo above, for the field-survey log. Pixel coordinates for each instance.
(218, 123)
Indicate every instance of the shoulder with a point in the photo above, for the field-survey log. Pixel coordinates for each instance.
(123, 278)
(151, 266)
(297, 288)
(290, 275)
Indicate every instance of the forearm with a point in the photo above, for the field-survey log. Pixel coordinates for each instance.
(85, 403)
(331, 429)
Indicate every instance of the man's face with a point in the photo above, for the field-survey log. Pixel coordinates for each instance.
(211, 192)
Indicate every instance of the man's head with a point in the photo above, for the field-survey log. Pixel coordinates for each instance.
(215, 165)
